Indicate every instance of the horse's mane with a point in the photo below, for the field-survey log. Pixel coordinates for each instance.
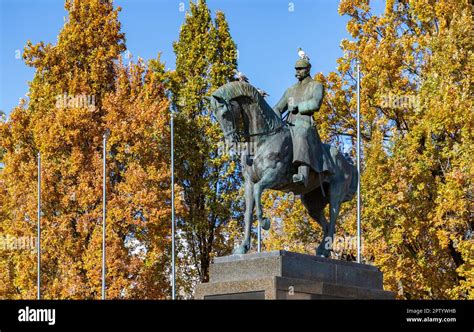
(237, 89)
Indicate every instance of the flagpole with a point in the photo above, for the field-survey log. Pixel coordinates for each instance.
(358, 166)
(104, 205)
(173, 259)
(259, 237)
(38, 282)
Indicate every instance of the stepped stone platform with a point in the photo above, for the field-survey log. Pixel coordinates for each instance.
(287, 275)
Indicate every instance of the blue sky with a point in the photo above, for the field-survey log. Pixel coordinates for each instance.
(267, 34)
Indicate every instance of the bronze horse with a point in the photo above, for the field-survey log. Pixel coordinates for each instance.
(244, 114)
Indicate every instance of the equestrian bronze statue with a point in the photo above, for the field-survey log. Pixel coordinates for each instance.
(285, 155)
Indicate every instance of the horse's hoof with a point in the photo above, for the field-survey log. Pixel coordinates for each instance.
(265, 224)
(323, 252)
(240, 250)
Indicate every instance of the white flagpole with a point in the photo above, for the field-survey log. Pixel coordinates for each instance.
(259, 237)
(358, 166)
(38, 244)
(104, 206)
(173, 260)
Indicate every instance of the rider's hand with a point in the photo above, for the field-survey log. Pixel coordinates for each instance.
(294, 110)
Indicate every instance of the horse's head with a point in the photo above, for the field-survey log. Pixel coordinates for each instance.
(227, 113)
(243, 112)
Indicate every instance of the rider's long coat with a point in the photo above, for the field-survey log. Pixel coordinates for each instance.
(307, 95)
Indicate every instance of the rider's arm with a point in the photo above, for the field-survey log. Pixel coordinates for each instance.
(282, 105)
(313, 104)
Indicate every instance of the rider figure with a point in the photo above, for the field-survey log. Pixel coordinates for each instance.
(302, 100)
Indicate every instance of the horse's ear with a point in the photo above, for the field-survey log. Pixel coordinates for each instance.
(219, 99)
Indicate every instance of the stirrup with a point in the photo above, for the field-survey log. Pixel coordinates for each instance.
(249, 160)
(298, 178)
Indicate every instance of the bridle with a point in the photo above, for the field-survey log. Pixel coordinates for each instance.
(234, 131)
(268, 132)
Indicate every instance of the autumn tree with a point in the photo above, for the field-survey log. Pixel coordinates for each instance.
(416, 65)
(139, 209)
(80, 89)
(2, 150)
(67, 131)
(205, 59)
(417, 132)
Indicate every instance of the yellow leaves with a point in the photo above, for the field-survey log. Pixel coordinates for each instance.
(344, 65)
(354, 27)
(350, 7)
(400, 196)
(389, 7)
(70, 139)
(443, 238)
(348, 45)
(292, 228)
(415, 182)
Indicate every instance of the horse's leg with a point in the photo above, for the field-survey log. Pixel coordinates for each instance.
(268, 178)
(325, 246)
(315, 202)
(335, 200)
(249, 204)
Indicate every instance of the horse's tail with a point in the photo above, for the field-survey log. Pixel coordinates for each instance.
(353, 176)
(343, 167)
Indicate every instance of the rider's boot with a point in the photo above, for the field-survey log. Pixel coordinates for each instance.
(302, 176)
(249, 160)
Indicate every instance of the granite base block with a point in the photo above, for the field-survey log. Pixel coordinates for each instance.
(286, 275)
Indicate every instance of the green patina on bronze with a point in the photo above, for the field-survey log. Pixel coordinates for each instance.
(301, 101)
(285, 155)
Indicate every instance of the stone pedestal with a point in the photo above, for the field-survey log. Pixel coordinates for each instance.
(286, 275)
